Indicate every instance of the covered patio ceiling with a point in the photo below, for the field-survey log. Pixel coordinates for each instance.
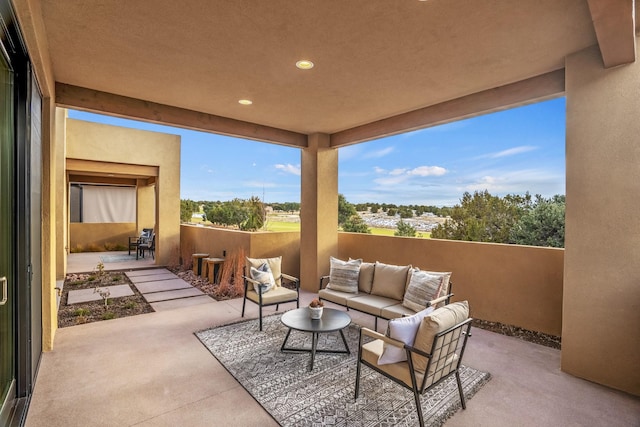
(381, 67)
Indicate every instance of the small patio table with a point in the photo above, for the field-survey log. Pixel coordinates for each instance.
(300, 319)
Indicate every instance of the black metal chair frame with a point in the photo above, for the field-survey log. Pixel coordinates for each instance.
(248, 281)
(149, 245)
(453, 346)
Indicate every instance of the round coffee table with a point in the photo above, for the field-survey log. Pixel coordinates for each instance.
(332, 320)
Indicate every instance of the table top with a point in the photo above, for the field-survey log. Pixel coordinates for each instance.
(331, 320)
(212, 260)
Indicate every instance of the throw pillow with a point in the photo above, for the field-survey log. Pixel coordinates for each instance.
(365, 280)
(423, 287)
(263, 276)
(275, 264)
(343, 275)
(389, 280)
(402, 329)
(440, 320)
(446, 277)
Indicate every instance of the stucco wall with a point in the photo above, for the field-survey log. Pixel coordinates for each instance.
(601, 341)
(97, 234)
(214, 241)
(118, 145)
(516, 285)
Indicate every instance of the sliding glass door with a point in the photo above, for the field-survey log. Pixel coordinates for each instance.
(7, 298)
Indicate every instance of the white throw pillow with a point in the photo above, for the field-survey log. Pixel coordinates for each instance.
(343, 275)
(263, 276)
(403, 329)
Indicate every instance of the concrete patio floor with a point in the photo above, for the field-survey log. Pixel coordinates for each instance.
(150, 370)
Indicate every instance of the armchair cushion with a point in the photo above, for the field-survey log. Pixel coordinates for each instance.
(343, 275)
(390, 280)
(423, 287)
(277, 295)
(440, 320)
(263, 276)
(403, 329)
(275, 264)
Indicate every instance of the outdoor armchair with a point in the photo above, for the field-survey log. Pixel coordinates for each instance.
(264, 285)
(434, 353)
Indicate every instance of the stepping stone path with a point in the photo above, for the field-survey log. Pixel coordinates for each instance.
(86, 295)
(166, 291)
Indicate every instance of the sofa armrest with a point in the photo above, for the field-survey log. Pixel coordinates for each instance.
(438, 300)
(322, 279)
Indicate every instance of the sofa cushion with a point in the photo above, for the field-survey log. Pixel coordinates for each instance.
(343, 275)
(395, 311)
(338, 297)
(441, 319)
(263, 276)
(372, 304)
(404, 330)
(365, 280)
(389, 280)
(423, 287)
(275, 264)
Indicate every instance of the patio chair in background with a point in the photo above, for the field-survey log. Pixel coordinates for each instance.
(420, 352)
(264, 284)
(148, 244)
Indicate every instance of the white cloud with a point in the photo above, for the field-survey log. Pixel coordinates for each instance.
(350, 152)
(258, 184)
(391, 180)
(398, 171)
(512, 151)
(379, 153)
(428, 171)
(379, 169)
(289, 168)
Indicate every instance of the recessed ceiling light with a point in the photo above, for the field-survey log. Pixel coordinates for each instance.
(245, 102)
(304, 64)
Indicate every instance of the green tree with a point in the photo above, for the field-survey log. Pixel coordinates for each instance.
(391, 212)
(255, 213)
(355, 224)
(404, 229)
(345, 210)
(187, 208)
(482, 217)
(543, 225)
(405, 212)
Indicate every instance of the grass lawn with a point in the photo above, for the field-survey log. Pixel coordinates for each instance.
(295, 226)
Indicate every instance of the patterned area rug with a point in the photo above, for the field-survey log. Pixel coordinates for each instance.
(283, 385)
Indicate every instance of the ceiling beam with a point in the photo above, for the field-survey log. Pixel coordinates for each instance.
(614, 22)
(80, 98)
(545, 86)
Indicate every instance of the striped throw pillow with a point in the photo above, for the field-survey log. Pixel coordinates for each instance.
(343, 275)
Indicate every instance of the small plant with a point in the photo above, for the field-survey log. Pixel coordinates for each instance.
(116, 278)
(81, 312)
(100, 269)
(91, 278)
(108, 315)
(130, 305)
(104, 293)
(316, 303)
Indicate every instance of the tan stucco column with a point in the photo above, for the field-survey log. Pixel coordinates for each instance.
(61, 195)
(145, 205)
(601, 296)
(319, 210)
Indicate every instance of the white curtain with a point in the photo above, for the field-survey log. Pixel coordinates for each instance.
(108, 204)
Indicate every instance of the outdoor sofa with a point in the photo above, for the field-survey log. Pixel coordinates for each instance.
(382, 290)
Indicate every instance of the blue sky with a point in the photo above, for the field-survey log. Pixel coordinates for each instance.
(509, 152)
